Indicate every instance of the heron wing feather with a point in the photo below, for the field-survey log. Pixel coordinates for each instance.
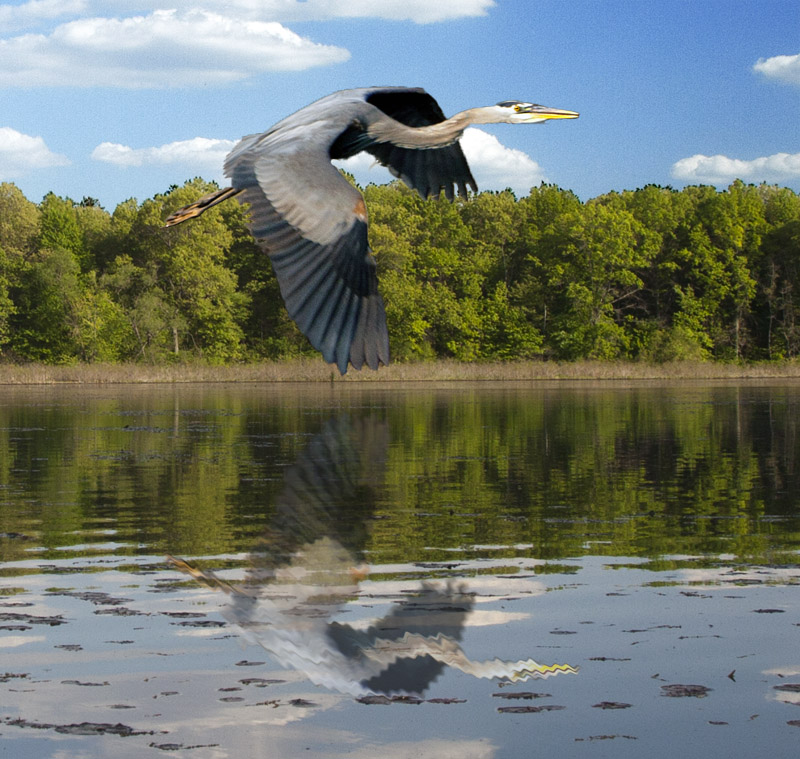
(309, 220)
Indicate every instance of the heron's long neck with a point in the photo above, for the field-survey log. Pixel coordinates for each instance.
(432, 136)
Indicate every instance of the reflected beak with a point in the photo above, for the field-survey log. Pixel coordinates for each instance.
(543, 113)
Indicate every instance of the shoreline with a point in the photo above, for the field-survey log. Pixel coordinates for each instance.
(316, 371)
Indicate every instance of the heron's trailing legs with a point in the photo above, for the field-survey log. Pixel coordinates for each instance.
(199, 206)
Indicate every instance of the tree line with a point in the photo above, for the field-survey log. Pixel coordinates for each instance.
(653, 274)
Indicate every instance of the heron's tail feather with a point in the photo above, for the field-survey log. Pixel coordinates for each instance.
(199, 206)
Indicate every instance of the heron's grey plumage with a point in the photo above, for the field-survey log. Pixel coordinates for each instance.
(312, 222)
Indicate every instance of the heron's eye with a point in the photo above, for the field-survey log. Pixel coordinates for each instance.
(517, 108)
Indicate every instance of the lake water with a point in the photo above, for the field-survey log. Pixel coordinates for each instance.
(565, 570)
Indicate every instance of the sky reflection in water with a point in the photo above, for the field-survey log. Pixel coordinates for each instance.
(391, 562)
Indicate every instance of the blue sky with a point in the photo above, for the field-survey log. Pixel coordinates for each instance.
(120, 99)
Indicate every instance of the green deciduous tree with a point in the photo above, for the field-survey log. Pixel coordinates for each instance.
(652, 274)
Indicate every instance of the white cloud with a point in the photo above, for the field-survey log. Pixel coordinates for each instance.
(21, 153)
(717, 169)
(365, 169)
(200, 152)
(161, 50)
(418, 11)
(141, 44)
(785, 68)
(496, 166)
(36, 11)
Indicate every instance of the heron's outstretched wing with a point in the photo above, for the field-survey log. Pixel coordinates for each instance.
(426, 171)
(313, 225)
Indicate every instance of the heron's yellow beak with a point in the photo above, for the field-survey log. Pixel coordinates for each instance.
(543, 113)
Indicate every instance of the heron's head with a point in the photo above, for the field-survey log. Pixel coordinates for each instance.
(517, 112)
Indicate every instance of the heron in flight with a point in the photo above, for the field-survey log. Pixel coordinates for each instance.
(312, 222)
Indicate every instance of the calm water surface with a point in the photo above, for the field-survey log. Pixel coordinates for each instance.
(339, 571)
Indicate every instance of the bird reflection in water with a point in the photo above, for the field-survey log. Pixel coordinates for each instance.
(310, 565)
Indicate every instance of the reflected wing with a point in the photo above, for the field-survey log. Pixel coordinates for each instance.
(313, 225)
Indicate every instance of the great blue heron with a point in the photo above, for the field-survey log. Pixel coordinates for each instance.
(313, 223)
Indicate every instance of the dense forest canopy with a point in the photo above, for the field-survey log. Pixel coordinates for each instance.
(653, 274)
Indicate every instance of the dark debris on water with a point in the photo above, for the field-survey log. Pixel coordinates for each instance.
(199, 623)
(6, 676)
(122, 611)
(32, 619)
(685, 691)
(81, 728)
(607, 738)
(93, 596)
(385, 700)
(260, 682)
(181, 747)
(608, 658)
